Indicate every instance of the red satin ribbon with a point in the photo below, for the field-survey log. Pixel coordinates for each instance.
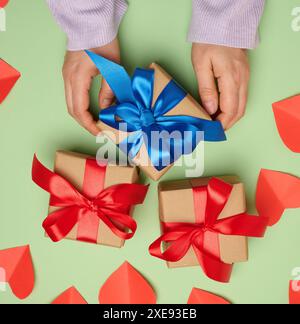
(110, 205)
(203, 235)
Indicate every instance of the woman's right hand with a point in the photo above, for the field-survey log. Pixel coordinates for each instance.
(78, 73)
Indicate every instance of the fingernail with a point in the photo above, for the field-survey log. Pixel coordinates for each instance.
(106, 103)
(211, 107)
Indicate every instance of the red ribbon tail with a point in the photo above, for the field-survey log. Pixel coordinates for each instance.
(122, 225)
(117, 201)
(243, 225)
(39, 171)
(60, 223)
(213, 268)
(179, 244)
(125, 194)
(63, 194)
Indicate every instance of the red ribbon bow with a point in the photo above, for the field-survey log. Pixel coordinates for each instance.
(110, 205)
(203, 236)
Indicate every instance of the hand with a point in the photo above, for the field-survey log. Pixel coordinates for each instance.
(230, 68)
(78, 73)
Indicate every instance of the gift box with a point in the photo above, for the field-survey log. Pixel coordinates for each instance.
(204, 222)
(8, 77)
(152, 104)
(90, 201)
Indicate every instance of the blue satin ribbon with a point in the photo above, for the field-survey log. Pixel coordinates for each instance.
(134, 108)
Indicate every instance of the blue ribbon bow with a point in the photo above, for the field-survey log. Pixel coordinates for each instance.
(167, 138)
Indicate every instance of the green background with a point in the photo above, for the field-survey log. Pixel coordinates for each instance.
(34, 119)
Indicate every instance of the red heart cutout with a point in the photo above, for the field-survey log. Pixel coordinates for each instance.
(294, 293)
(287, 116)
(3, 3)
(203, 297)
(276, 191)
(8, 77)
(70, 297)
(127, 286)
(18, 270)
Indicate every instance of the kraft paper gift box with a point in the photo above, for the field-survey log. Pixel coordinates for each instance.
(176, 203)
(72, 166)
(187, 107)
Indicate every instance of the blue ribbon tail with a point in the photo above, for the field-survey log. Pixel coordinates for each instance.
(132, 144)
(213, 131)
(170, 141)
(142, 87)
(116, 77)
(169, 98)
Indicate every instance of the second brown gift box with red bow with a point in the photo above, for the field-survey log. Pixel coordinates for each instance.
(204, 222)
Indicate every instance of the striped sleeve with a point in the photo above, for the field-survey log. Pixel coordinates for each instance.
(232, 23)
(88, 23)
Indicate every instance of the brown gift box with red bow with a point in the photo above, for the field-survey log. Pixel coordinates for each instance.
(176, 205)
(71, 166)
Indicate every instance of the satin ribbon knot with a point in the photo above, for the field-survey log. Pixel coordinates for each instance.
(147, 118)
(205, 229)
(94, 206)
(199, 230)
(135, 108)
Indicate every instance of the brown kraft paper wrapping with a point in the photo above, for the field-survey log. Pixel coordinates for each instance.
(176, 204)
(188, 107)
(71, 166)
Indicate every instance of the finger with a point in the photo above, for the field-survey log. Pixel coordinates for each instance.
(68, 95)
(106, 95)
(229, 100)
(86, 120)
(208, 89)
(81, 100)
(243, 97)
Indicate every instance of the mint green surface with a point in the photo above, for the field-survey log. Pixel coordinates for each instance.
(34, 119)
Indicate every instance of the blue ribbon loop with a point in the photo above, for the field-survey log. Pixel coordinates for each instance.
(167, 138)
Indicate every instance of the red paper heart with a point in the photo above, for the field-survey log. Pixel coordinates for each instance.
(3, 3)
(70, 297)
(202, 297)
(8, 77)
(18, 270)
(127, 286)
(287, 116)
(276, 191)
(294, 293)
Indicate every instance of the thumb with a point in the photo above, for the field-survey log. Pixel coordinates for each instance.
(106, 95)
(208, 90)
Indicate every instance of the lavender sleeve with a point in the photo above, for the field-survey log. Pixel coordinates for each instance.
(231, 23)
(88, 23)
